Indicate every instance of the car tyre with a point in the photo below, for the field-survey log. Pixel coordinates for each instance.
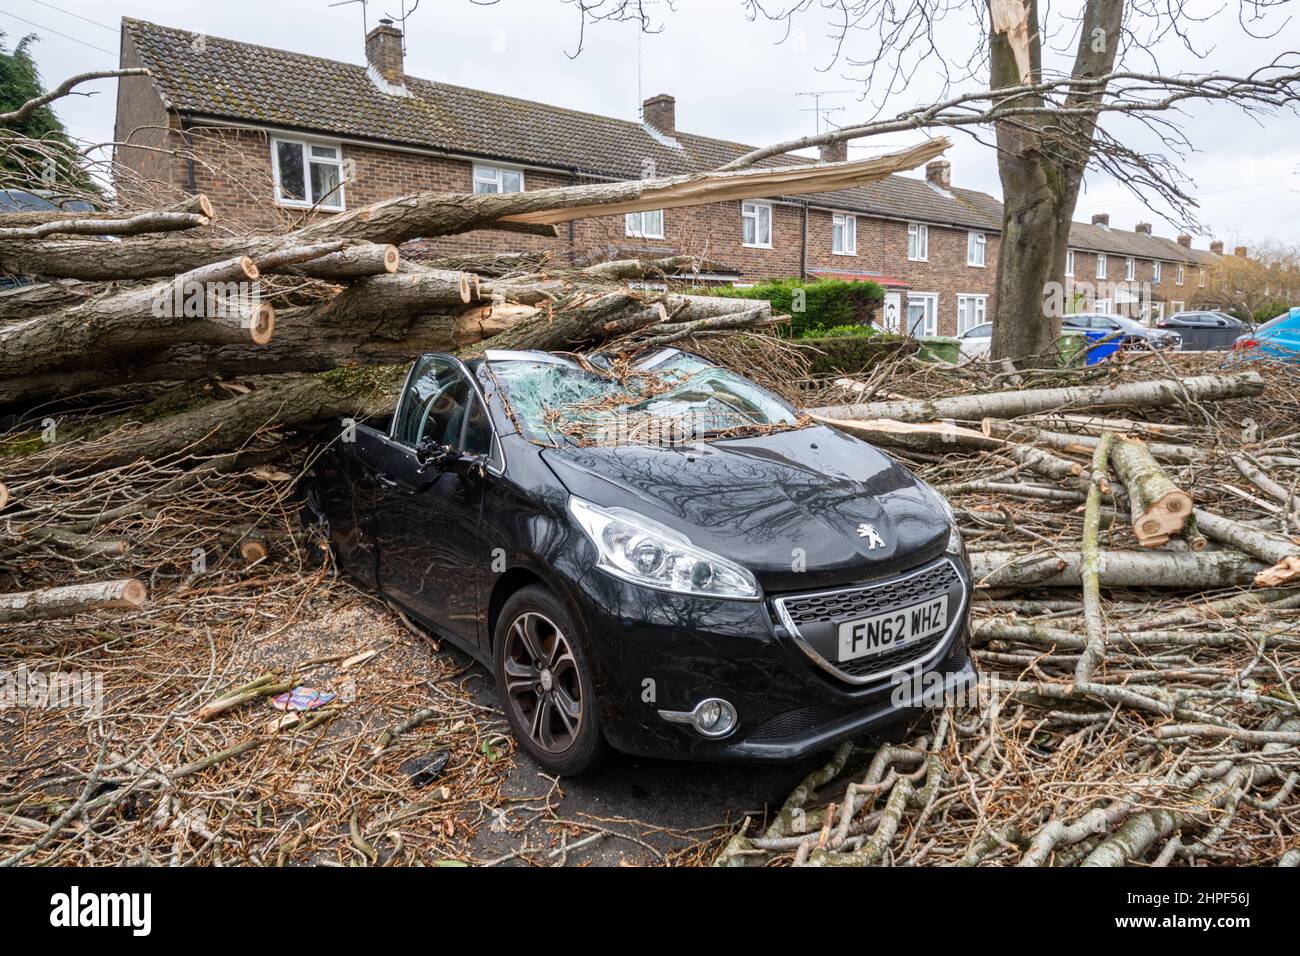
(546, 685)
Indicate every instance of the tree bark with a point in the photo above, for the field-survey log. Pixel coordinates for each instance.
(1158, 508)
(1152, 394)
(127, 594)
(1176, 570)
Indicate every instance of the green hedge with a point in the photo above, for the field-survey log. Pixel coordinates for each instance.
(852, 354)
(826, 303)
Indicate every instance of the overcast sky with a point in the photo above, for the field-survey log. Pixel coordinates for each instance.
(732, 78)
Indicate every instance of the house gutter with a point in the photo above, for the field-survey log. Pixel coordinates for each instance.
(803, 247)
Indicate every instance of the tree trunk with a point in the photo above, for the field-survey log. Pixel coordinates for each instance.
(1041, 164)
(1178, 570)
(127, 593)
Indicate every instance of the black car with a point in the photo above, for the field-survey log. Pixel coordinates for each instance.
(1126, 332)
(1205, 330)
(653, 554)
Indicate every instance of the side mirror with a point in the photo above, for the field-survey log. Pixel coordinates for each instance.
(440, 457)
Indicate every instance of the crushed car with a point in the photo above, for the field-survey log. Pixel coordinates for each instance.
(653, 554)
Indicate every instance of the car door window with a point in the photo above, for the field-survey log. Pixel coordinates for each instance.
(434, 403)
(477, 439)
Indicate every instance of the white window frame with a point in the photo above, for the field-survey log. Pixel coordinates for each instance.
(918, 242)
(634, 224)
(750, 209)
(1101, 265)
(337, 202)
(1069, 263)
(1130, 269)
(976, 242)
(981, 310)
(932, 313)
(1176, 307)
(847, 223)
(1182, 272)
(492, 173)
(1202, 282)
(1156, 269)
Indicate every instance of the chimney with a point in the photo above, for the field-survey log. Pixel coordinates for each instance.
(1216, 247)
(1101, 219)
(384, 52)
(1185, 241)
(1240, 251)
(939, 173)
(1143, 227)
(661, 112)
(837, 152)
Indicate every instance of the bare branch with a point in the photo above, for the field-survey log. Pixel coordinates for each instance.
(63, 89)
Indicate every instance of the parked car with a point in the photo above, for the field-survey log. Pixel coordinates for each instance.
(1124, 332)
(22, 200)
(975, 342)
(658, 556)
(1278, 338)
(1205, 330)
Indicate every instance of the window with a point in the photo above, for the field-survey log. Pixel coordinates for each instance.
(1130, 269)
(498, 179)
(1101, 265)
(844, 234)
(1155, 271)
(1177, 307)
(756, 224)
(975, 246)
(307, 174)
(1182, 271)
(1202, 283)
(918, 242)
(434, 403)
(646, 225)
(971, 311)
(1069, 262)
(922, 313)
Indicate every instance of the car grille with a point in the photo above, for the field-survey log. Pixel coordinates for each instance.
(870, 599)
(805, 612)
(794, 723)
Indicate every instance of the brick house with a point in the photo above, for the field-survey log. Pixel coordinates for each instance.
(274, 137)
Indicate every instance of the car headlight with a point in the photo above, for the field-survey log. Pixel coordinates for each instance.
(643, 551)
(954, 533)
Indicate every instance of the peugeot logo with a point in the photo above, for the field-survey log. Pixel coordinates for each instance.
(874, 540)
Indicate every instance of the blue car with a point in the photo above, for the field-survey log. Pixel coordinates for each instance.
(1276, 339)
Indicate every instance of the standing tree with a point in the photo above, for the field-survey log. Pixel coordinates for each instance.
(1043, 104)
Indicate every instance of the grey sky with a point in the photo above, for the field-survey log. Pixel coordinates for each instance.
(731, 77)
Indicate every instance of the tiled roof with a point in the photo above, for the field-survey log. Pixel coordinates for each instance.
(230, 80)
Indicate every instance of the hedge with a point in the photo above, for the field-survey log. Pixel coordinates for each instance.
(826, 303)
(852, 354)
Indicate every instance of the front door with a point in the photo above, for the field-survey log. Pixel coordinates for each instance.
(430, 547)
(893, 305)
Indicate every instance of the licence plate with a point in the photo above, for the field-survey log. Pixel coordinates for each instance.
(891, 630)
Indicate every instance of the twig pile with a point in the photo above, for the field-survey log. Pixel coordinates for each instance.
(1114, 724)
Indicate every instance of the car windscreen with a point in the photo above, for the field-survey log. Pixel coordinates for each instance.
(681, 400)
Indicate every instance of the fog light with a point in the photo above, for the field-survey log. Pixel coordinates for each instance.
(712, 717)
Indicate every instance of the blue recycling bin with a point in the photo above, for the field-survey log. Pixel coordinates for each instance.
(1099, 353)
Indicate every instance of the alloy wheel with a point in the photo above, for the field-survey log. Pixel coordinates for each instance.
(542, 683)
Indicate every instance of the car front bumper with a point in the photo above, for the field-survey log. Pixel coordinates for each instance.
(656, 651)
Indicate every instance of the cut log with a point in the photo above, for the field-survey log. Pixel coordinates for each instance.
(355, 262)
(1176, 570)
(126, 594)
(1158, 507)
(197, 205)
(1090, 562)
(974, 408)
(1280, 552)
(1085, 444)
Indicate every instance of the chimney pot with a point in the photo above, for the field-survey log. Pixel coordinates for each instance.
(661, 112)
(1185, 241)
(836, 152)
(1240, 251)
(1216, 247)
(1101, 219)
(939, 172)
(1143, 227)
(384, 52)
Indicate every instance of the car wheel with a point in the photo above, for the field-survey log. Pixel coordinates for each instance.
(545, 684)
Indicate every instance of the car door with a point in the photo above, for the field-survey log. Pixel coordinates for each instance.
(430, 554)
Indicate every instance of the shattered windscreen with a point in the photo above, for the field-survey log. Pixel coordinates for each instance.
(562, 401)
